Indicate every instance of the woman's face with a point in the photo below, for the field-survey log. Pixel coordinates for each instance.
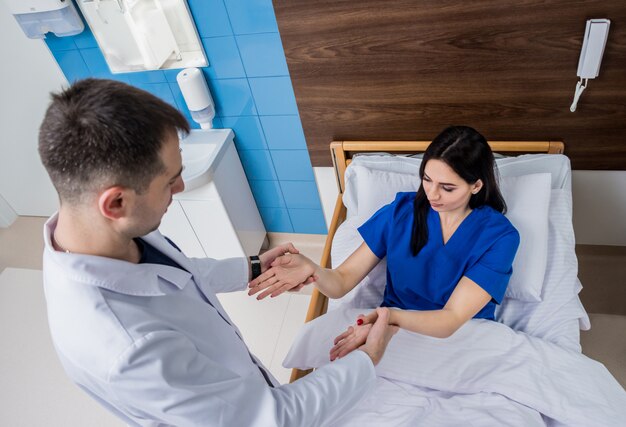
(446, 191)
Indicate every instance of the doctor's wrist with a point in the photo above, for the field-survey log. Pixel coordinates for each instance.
(255, 267)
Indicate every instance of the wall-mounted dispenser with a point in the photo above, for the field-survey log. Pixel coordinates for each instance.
(140, 35)
(197, 96)
(596, 33)
(37, 17)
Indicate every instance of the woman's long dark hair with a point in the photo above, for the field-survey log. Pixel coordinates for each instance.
(466, 151)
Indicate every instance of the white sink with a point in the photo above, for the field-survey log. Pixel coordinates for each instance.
(202, 150)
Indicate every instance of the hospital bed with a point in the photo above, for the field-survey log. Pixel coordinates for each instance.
(534, 346)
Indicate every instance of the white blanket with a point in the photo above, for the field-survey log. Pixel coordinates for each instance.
(485, 374)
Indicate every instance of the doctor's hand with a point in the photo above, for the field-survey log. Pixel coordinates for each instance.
(289, 272)
(372, 338)
(268, 257)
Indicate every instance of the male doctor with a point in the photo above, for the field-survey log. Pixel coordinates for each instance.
(136, 323)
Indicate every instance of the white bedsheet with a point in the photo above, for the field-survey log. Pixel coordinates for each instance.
(486, 374)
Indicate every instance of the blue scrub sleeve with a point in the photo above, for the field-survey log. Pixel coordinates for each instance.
(493, 269)
(375, 231)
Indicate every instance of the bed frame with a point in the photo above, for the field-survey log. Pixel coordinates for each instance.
(342, 153)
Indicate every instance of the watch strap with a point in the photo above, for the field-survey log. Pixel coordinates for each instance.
(255, 264)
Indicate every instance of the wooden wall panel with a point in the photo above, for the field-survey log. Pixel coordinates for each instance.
(400, 69)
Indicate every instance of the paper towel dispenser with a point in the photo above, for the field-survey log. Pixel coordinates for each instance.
(140, 35)
(37, 17)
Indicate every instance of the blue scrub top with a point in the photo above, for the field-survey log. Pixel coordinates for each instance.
(482, 248)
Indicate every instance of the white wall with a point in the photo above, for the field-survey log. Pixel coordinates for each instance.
(599, 207)
(599, 204)
(27, 75)
(7, 214)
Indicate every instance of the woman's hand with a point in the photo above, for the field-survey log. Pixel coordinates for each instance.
(349, 341)
(287, 272)
(365, 335)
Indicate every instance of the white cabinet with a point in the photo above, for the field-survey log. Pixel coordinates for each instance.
(176, 226)
(218, 219)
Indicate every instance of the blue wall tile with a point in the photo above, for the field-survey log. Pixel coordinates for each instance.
(224, 60)
(309, 221)
(210, 17)
(85, 40)
(248, 132)
(98, 66)
(301, 194)
(57, 44)
(156, 76)
(276, 219)
(293, 165)
(267, 194)
(263, 55)
(217, 123)
(257, 164)
(170, 75)
(232, 97)
(72, 65)
(251, 16)
(162, 90)
(274, 96)
(96, 63)
(283, 132)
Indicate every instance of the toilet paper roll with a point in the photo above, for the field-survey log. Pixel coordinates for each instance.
(194, 89)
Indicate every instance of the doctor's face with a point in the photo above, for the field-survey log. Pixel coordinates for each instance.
(152, 204)
(445, 189)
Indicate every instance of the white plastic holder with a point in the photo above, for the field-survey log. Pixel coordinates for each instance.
(140, 35)
(580, 87)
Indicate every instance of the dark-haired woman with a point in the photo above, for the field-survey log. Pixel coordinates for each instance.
(449, 247)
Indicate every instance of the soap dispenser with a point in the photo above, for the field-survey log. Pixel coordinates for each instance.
(197, 96)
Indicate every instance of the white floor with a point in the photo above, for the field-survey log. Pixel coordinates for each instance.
(34, 390)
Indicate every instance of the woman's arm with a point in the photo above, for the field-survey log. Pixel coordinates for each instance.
(467, 299)
(290, 270)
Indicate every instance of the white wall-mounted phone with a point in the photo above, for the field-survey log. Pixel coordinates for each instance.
(596, 34)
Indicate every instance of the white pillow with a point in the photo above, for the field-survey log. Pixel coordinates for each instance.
(311, 348)
(560, 315)
(369, 292)
(527, 198)
(379, 188)
(399, 164)
(557, 165)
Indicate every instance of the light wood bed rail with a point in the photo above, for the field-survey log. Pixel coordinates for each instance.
(342, 153)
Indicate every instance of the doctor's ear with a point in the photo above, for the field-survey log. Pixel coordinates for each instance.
(113, 202)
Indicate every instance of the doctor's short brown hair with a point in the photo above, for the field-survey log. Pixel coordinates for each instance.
(99, 133)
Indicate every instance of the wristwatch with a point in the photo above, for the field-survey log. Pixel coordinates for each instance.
(255, 263)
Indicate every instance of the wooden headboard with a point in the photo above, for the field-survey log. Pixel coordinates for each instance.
(342, 153)
(406, 69)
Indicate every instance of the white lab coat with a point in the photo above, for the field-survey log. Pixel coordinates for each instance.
(142, 340)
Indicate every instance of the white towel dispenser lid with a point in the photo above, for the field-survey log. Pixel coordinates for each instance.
(37, 17)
